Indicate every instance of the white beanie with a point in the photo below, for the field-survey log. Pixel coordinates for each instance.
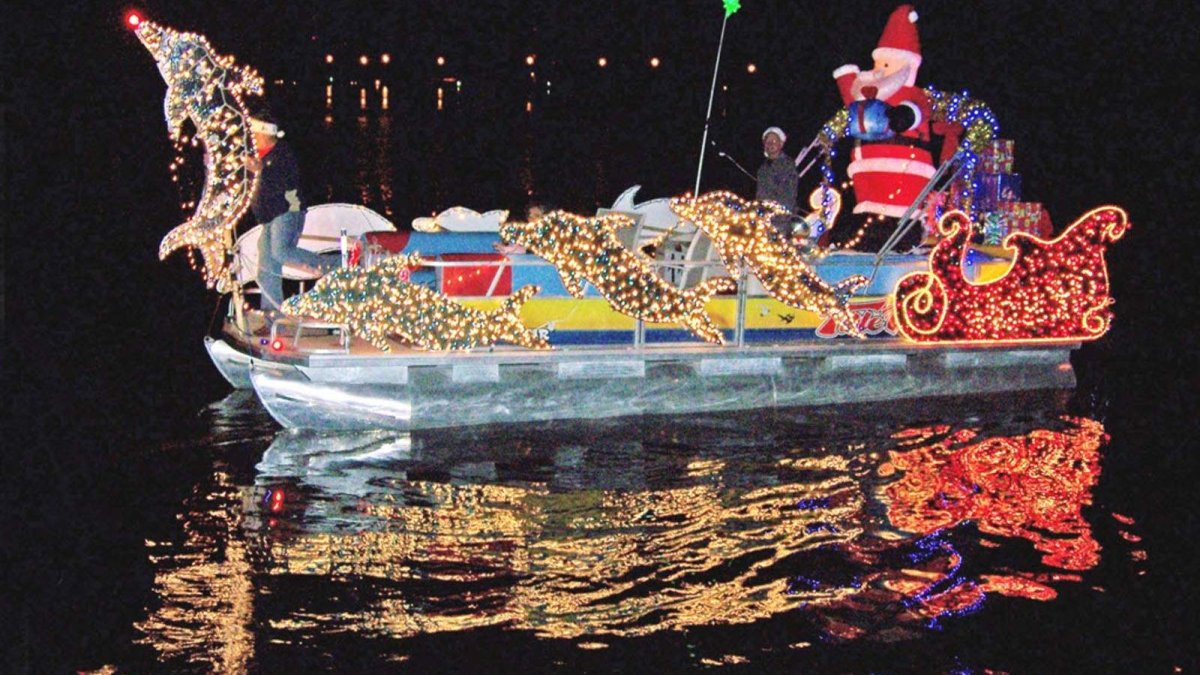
(777, 131)
(262, 127)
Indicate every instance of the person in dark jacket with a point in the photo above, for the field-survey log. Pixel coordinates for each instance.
(279, 206)
(777, 178)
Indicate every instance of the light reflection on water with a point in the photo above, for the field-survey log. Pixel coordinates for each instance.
(846, 526)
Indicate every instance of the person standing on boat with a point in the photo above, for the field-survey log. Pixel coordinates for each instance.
(777, 178)
(279, 207)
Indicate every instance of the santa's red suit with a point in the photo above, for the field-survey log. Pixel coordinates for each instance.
(888, 174)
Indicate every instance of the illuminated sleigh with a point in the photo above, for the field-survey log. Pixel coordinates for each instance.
(1055, 290)
(594, 326)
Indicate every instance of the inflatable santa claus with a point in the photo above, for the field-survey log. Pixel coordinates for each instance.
(890, 122)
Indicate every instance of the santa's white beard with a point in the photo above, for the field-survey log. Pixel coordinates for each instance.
(886, 85)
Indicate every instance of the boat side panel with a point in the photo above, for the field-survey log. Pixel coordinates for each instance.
(593, 321)
(233, 365)
(433, 397)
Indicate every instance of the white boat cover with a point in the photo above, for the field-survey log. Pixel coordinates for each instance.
(461, 219)
(323, 225)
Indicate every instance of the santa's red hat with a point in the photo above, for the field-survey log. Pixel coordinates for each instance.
(899, 40)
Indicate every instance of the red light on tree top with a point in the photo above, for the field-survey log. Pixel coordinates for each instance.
(133, 19)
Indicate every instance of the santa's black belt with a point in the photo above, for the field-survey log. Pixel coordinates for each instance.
(899, 140)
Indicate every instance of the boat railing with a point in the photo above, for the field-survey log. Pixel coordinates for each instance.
(939, 182)
(294, 327)
(298, 325)
(639, 332)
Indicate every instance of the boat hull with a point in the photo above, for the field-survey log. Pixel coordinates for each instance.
(423, 392)
(234, 365)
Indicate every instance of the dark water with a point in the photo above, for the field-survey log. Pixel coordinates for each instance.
(661, 542)
(981, 534)
(156, 523)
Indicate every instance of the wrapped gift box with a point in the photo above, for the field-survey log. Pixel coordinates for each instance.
(996, 189)
(1028, 217)
(996, 156)
(995, 229)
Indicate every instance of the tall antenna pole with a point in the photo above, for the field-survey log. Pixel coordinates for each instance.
(731, 6)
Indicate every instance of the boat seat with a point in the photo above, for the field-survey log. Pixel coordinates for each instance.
(629, 236)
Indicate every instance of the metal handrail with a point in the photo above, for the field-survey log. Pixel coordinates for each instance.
(941, 179)
(541, 262)
(301, 323)
(639, 333)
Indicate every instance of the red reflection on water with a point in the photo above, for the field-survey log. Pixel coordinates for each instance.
(954, 600)
(1032, 486)
(1016, 586)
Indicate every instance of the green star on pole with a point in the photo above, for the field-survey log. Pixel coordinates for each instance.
(731, 6)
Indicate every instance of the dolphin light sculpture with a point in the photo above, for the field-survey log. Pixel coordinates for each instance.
(209, 90)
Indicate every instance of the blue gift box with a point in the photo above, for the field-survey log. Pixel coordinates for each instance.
(996, 189)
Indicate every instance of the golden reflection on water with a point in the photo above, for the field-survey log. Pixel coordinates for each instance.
(863, 544)
(206, 585)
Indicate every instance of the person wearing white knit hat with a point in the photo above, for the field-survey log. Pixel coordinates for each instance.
(262, 127)
(778, 132)
(279, 206)
(777, 178)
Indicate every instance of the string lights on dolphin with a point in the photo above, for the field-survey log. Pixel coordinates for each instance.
(379, 302)
(1055, 291)
(743, 234)
(209, 90)
(587, 249)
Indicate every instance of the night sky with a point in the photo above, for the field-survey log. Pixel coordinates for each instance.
(1094, 94)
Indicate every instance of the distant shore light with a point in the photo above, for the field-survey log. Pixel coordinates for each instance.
(530, 59)
(602, 62)
(329, 58)
(386, 59)
(363, 60)
(751, 68)
(441, 60)
(654, 62)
